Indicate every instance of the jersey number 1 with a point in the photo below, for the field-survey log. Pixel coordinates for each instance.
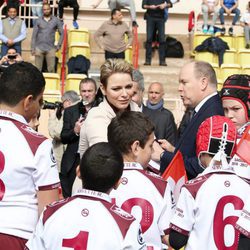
(80, 242)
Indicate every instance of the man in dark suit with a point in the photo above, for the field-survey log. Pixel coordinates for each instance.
(73, 119)
(198, 90)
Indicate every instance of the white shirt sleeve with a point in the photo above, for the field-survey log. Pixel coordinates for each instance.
(134, 238)
(184, 216)
(243, 224)
(167, 211)
(45, 175)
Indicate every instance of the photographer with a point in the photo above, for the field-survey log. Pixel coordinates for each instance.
(73, 119)
(56, 122)
(10, 58)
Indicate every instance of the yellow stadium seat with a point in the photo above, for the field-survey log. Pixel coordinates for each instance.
(229, 40)
(52, 83)
(216, 69)
(129, 54)
(199, 38)
(73, 80)
(219, 85)
(240, 42)
(244, 57)
(245, 69)
(79, 49)
(78, 36)
(205, 56)
(228, 70)
(230, 57)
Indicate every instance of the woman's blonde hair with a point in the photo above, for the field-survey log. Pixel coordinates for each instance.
(112, 66)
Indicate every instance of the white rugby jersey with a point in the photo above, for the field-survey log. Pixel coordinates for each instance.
(240, 167)
(148, 198)
(208, 208)
(26, 166)
(87, 220)
(243, 224)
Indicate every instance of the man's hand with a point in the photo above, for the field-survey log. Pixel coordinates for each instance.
(10, 42)
(211, 9)
(18, 58)
(228, 11)
(153, 6)
(162, 6)
(166, 145)
(4, 59)
(78, 125)
(157, 151)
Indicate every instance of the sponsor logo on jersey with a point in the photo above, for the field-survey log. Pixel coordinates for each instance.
(52, 157)
(121, 213)
(85, 212)
(227, 183)
(140, 238)
(124, 181)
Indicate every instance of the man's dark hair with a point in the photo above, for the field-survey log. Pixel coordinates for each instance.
(128, 127)
(18, 81)
(101, 167)
(113, 12)
(88, 79)
(13, 5)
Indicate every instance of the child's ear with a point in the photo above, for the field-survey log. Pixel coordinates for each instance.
(135, 148)
(117, 184)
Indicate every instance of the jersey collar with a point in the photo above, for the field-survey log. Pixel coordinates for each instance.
(12, 115)
(93, 194)
(132, 165)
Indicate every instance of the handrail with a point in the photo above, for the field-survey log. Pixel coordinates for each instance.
(63, 68)
(135, 47)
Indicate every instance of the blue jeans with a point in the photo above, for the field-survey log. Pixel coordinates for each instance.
(16, 46)
(235, 19)
(154, 25)
(36, 10)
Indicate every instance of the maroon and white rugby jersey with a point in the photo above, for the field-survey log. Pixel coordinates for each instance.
(208, 208)
(240, 167)
(27, 165)
(243, 224)
(148, 198)
(86, 221)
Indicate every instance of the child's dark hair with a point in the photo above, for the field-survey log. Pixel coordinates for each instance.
(101, 167)
(128, 127)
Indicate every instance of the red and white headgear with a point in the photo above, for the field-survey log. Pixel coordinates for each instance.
(216, 136)
(237, 87)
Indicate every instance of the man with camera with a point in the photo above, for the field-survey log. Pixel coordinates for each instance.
(73, 119)
(55, 123)
(10, 58)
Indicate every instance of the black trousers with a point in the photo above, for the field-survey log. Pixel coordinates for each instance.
(67, 178)
(71, 3)
(109, 54)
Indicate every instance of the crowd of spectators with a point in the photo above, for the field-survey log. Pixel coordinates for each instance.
(103, 143)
